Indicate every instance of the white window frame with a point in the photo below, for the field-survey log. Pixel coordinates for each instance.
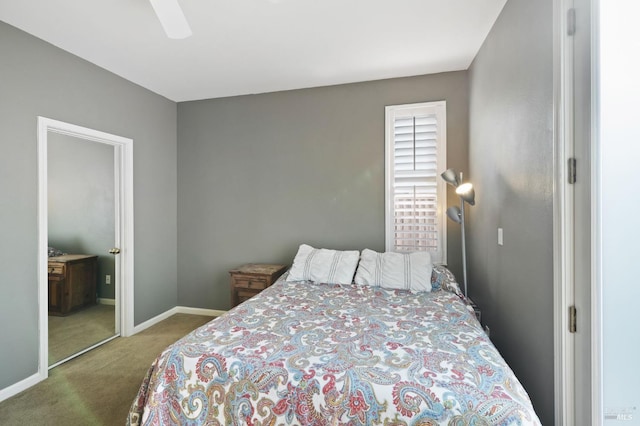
(393, 112)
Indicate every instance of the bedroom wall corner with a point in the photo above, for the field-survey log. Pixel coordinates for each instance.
(258, 175)
(39, 79)
(511, 163)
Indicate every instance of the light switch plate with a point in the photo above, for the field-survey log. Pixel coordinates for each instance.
(500, 237)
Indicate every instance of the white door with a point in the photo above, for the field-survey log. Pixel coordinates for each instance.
(582, 246)
(574, 218)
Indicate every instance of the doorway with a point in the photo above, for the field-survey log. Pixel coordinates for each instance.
(574, 214)
(81, 232)
(85, 240)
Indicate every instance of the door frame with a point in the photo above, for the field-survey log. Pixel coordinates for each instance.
(123, 165)
(571, 350)
(563, 213)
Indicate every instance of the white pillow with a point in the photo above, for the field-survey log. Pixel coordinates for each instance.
(405, 271)
(324, 266)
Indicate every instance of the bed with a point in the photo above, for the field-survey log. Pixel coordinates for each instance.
(312, 353)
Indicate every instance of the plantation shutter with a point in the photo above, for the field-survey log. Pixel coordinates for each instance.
(414, 186)
(413, 182)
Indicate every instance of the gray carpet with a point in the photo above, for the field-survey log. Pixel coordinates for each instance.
(71, 334)
(96, 388)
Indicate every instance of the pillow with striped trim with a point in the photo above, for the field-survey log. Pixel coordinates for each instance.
(324, 266)
(396, 271)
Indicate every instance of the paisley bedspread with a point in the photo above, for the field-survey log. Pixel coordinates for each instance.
(319, 354)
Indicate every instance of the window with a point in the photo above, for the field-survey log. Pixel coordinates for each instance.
(415, 146)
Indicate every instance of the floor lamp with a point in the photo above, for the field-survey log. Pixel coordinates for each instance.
(455, 213)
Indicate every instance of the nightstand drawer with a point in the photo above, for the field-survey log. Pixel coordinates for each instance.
(244, 295)
(250, 279)
(56, 269)
(255, 283)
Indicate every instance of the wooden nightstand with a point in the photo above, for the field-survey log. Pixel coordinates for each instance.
(250, 279)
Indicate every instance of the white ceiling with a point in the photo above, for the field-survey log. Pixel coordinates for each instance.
(254, 46)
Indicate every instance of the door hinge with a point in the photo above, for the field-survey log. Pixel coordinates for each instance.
(571, 169)
(571, 22)
(572, 319)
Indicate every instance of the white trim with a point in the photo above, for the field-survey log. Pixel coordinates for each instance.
(176, 310)
(22, 385)
(43, 242)
(104, 301)
(199, 311)
(391, 112)
(125, 284)
(124, 274)
(597, 318)
(153, 321)
(563, 205)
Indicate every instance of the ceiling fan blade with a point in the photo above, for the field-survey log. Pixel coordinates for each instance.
(172, 19)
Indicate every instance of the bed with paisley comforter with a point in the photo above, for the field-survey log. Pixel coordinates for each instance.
(305, 353)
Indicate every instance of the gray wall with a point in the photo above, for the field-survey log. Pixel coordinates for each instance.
(511, 162)
(81, 206)
(39, 79)
(259, 175)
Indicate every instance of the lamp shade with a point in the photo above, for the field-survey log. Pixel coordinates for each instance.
(454, 214)
(467, 193)
(451, 177)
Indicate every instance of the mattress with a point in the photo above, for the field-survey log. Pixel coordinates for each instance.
(303, 353)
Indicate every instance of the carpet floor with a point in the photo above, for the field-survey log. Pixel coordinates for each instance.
(98, 387)
(71, 334)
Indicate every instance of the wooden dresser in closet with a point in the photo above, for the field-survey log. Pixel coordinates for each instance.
(73, 280)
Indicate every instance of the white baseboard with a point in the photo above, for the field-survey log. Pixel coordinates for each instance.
(103, 301)
(199, 311)
(153, 321)
(175, 310)
(22, 385)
